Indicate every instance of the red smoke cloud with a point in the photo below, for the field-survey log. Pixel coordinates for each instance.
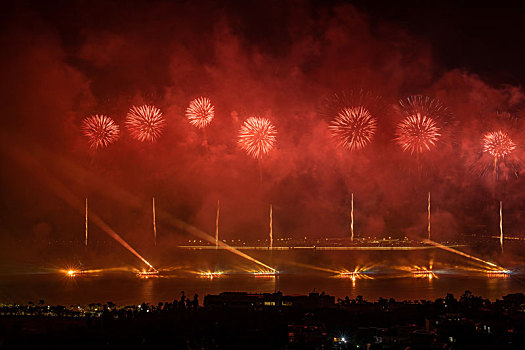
(166, 54)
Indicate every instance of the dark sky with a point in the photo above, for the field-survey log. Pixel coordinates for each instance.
(482, 40)
(66, 60)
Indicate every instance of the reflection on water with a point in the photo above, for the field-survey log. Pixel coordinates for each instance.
(122, 288)
(369, 274)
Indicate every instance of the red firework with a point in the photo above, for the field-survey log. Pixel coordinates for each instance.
(417, 133)
(353, 128)
(498, 144)
(200, 112)
(101, 130)
(257, 136)
(145, 123)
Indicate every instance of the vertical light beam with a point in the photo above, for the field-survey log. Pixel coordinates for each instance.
(352, 219)
(428, 216)
(86, 225)
(271, 227)
(501, 225)
(217, 225)
(154, 223)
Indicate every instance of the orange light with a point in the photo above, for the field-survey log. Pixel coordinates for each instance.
(268, 274)
(424, 274)
(147, 274)
(498, 273)
(211, 275)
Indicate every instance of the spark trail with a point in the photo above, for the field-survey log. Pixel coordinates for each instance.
(271, 226)
(428, 216)
(217, 225)
(86, 224)
(154, 223)
(352, 219)
(501, 225)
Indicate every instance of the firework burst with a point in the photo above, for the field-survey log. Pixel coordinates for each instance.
(353, 128)
(419, 130)
(498, 144)
(145, 123)
(332, 105)
(257, 136)
(101, 131)
(200, 112)
(417, 133)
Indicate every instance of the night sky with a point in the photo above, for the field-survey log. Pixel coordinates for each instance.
(283, 60)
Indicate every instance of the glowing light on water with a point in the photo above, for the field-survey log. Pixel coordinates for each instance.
(353, 128)
(498, 273)
(100, 130)
(352, 275)
(358, 273)
(145, 123)
(74, 272)
(423, 273)
(211, 274)
(148, 274)
(265, 273)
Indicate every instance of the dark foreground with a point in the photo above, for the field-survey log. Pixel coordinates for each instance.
(271, 321)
